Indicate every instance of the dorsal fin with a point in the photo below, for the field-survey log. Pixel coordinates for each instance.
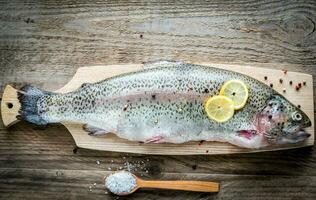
(161, 63)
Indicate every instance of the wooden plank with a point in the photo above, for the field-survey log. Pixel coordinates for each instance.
(10, 106)
(112, 143)
(93, 74)
(44, 42)
(74, 184)
(25, 147)
(304, 97)
(49, 42)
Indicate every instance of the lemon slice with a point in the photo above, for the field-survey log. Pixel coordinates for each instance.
(219, 108)
(237, 91)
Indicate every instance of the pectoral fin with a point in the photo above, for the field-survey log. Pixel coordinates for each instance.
(155, 139)
(95, 131)
(248, 134)
(248, 139)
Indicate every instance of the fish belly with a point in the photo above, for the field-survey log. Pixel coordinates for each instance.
(147, 119)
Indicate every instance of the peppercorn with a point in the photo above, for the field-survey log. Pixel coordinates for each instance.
(284, 71)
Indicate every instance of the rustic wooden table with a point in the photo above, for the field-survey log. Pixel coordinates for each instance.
(43, 43)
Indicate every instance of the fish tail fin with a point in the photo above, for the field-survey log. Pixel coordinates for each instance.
(28, 97)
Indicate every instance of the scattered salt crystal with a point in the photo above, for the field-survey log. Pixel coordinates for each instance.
(94, 184)
(134, 166)
(120, 182)
(98, 162)
(147, 160)
(109, 168)
(112, 161)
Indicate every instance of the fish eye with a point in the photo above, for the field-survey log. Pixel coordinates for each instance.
(296, 116)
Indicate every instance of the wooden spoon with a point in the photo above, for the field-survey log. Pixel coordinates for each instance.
(198, 186)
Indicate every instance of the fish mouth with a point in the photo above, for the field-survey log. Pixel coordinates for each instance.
(302, 127)
(296, 133)
(302, 133)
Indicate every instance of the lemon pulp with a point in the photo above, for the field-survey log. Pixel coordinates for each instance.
(219, 108)
(237, 91)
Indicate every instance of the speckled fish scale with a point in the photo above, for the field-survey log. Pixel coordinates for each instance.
(164, 101)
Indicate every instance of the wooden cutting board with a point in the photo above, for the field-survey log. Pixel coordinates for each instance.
(304, 97)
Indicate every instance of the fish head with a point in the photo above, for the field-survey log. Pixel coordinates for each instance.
(281, 122)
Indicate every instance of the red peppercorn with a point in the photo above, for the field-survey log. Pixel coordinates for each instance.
(284, 71)
(206, 151)
(297, 88)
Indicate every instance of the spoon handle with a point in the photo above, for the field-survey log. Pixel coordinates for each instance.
(198, 186)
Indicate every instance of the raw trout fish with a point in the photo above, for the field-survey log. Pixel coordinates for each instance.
(164, 103)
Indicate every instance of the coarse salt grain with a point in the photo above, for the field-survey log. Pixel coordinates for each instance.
(120, 182)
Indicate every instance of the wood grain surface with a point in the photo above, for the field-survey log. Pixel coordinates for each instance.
(10, 106)
(45, 42)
